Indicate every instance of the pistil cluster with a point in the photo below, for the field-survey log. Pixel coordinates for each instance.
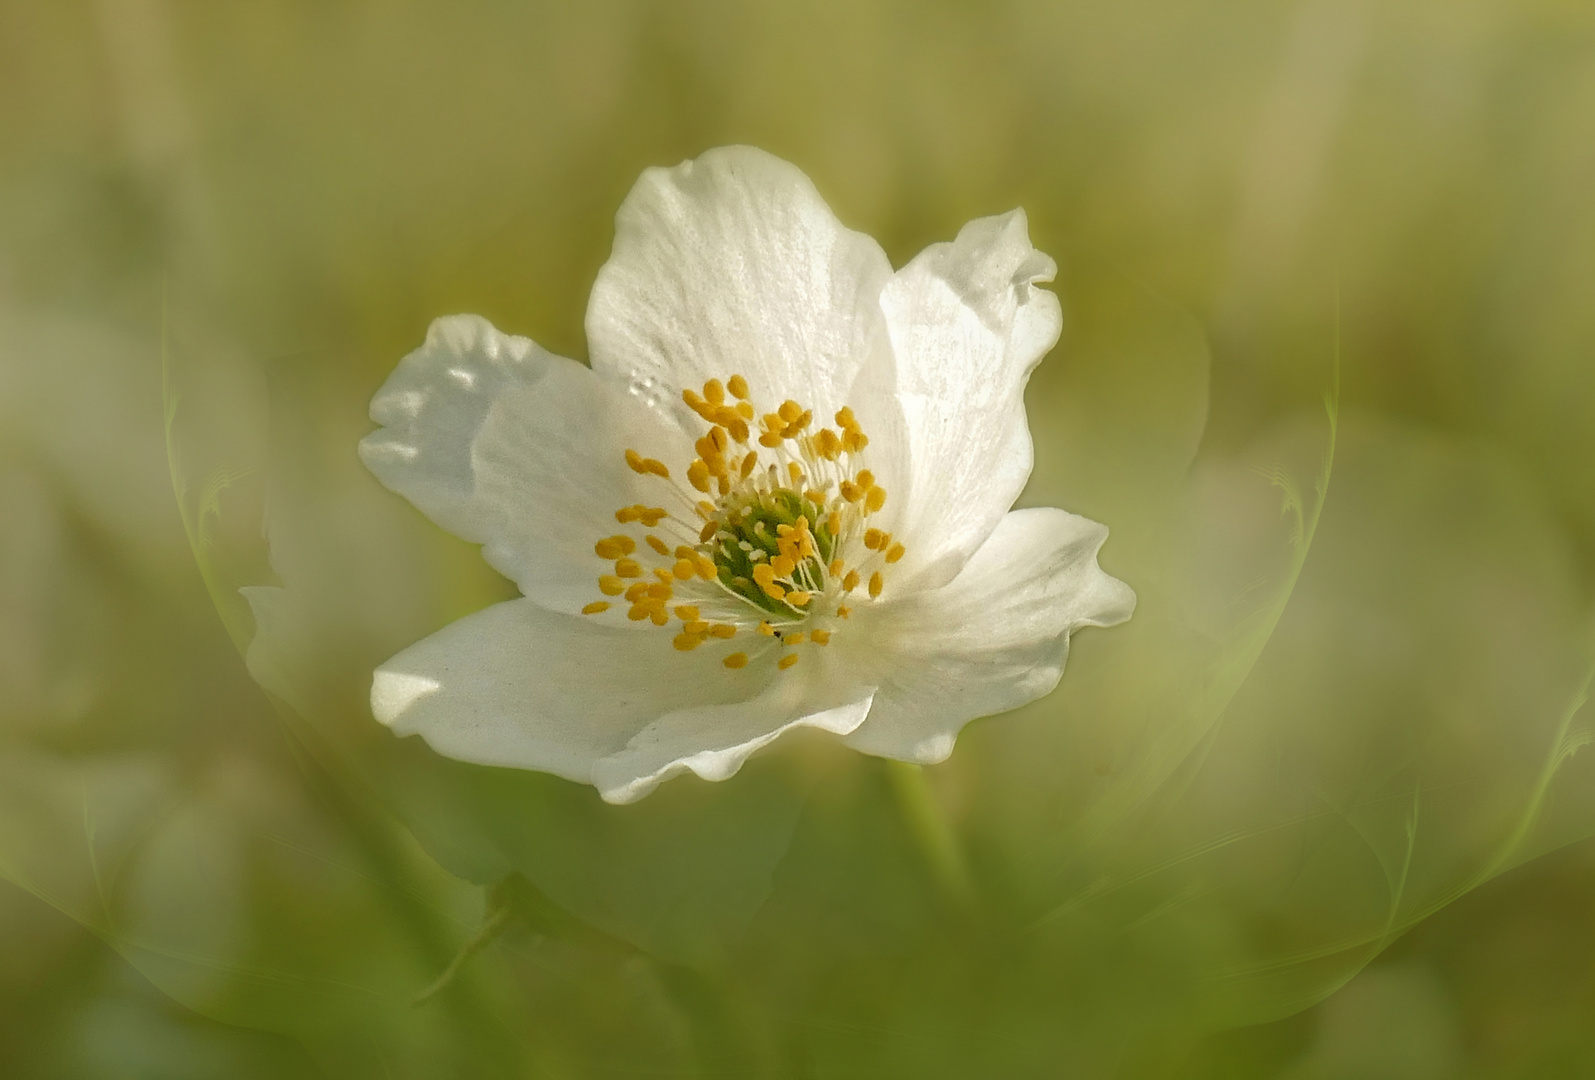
(767, 544)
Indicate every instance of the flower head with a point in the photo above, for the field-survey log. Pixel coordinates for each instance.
(778, 497)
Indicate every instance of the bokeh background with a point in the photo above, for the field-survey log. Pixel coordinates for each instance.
(1328, 372)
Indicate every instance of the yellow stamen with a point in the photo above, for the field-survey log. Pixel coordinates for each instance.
(850, 582)
(723, 630)
(687, 642)
(627, 568)
(821, 637)
(895, 552)
(798, 598)
(614, 547)
(874, 500)
(687, 612)
(787, 661)
(738, 387)
(595, 607)
(696, 626)
(789, 411)
(610, 585)
(714, 392)
(736, 660)
(766, 629)
(844, 612)
(876, 583)
(874, 539)
(684, 569)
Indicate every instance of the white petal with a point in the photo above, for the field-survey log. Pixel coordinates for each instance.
(507, 445)
(714, 740)
(732, 263)
(967, 327)
(516, 684)
(992, 639)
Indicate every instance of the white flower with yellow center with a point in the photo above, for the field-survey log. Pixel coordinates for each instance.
(778, 497)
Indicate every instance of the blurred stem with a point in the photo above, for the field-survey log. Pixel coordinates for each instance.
(931, 831)
(498, 914)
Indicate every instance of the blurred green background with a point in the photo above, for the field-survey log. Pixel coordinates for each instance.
(1317, 812)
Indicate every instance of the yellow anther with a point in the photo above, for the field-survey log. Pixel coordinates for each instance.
(814, 495)
(851, 491)
(865, 478)
(745, 410)
(874, 539)
(787, 661)
(725, 484)
(634, 459)
(853, 441)
(692, 399)
(771, 439)
(749, 463)
(723, 630)
(844, 417)
(610, 585)
(651, 516)
(684, 569)
(738, 387)
(795, 471)
(798, 598)
(687, 642)
(773, 591)
(736, 660)
(639, 612)
(844, 612)
(804, 419)
(686, 612)
(876, 583)
(614, 547)
(637, 591)
(874, 500)
(827, 445)
(851, 581)
(706, 568)
(685, 552)
(783, 565)
(714, 392)
(834, 522)
(821, 637)
(696, 626)
(720, 437)
(789, 410)
(698, 475)
(732, 421)
(626, 514)
(660, 591)
(895, 552)
(627, 568)
(595, 607)
(706, 533)
(662, 574)
(836, 567)
(659, 615)
(766, 629)
(793, 639)
(763, 574)
(657, 544)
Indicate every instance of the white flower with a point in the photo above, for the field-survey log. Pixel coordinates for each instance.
(778, 497)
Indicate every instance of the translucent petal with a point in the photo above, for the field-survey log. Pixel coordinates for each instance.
(504, 444)
(993, 639)
(732, 263)
(518, 685)
(967, 327)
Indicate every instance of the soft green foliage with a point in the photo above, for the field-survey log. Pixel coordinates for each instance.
(1355, 691)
